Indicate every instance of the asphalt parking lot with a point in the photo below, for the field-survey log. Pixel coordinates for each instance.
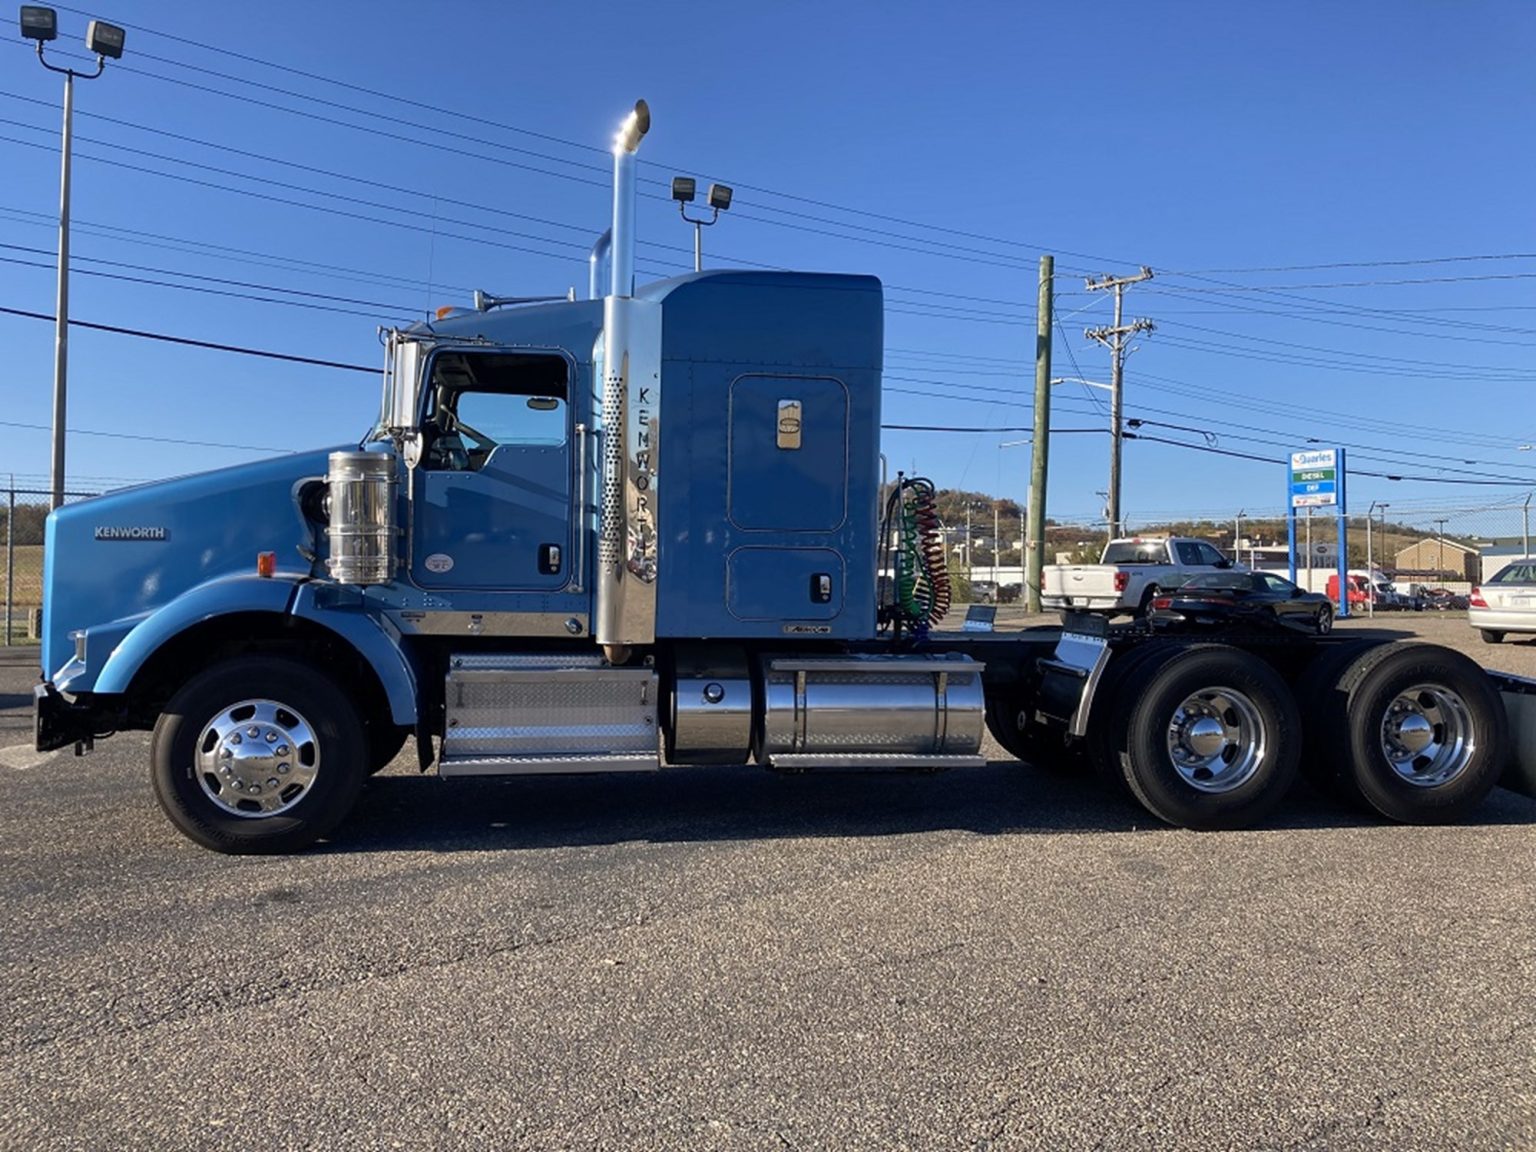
(998, 958)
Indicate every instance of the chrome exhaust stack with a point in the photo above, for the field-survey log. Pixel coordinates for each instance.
(597, 264)
(625, 145)
(631, 398)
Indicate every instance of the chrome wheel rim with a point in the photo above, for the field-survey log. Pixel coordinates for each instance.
(257, 758)
(1216, 740)
(1427, 736)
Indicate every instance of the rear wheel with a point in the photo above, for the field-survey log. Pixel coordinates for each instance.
(1214, 741)
(258, 755)
(1490, 636)
(1426, 734)
(1009, 721)
(1123, 682)
(1316, 690)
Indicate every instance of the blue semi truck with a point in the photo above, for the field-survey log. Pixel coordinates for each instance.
(646, 530)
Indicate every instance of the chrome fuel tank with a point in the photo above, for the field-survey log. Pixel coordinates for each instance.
(854, 711)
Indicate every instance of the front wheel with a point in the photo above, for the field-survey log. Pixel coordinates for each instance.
(1324, 621)
(258, 755)
(1490, 636)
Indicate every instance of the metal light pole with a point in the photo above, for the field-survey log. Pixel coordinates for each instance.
(1525, 525)
(996, 542)
(1237, 536)
(1382, 536)
(1370, 563)
(42, 25)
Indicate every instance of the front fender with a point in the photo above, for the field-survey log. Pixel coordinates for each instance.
(366, 633)
(279, 595)
(241, 593)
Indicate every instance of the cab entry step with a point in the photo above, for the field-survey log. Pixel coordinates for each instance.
(514, 715)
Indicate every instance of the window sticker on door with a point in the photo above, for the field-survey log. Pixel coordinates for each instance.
(438, 562)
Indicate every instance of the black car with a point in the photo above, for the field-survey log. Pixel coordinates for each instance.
(1228, 599)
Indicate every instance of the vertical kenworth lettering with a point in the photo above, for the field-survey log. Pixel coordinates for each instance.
(478, 581)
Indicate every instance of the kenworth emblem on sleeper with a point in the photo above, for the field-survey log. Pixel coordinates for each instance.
(138, 532)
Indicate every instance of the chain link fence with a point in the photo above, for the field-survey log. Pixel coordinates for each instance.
(24, 513)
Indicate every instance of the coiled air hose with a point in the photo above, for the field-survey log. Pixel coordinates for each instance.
(929, 539)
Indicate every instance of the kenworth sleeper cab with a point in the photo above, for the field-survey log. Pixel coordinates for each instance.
(645, 529)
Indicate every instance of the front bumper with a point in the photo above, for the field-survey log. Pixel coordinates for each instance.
(60, 722)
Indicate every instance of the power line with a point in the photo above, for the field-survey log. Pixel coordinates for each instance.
(210, 279)
(264, 353)
(200, 289)
(151, 439)
(1338, 351)
(1270, 460)
(1006, 428)
(1226, 288)
(1425, 260)
(189, 247)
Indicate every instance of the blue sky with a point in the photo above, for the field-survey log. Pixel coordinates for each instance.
(1231, 147)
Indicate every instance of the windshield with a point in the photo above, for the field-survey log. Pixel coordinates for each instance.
(1227, 580)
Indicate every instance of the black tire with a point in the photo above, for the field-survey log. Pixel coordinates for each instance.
(1490, 636)
(1006, 722)
(1121, 684)
(1324, 622)
(1034, 744)
(312, 789)
(1146, 601)
(1423, 692)
(1237, 750)
(1319, 697)
(384, 743)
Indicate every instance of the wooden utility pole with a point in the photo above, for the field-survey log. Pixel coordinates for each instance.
(1114, 338)
(1034, 545)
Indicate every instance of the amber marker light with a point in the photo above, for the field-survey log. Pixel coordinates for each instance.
(266, 564)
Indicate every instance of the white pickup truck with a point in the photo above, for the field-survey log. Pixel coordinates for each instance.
(1129, 574)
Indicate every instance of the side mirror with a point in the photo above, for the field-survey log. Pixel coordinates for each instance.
(1223, 564)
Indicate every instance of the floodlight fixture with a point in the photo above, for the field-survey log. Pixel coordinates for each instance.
(39, 23)
(684, 188)
(105, 39)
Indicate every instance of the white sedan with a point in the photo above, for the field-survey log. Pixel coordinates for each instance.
(1506, 603)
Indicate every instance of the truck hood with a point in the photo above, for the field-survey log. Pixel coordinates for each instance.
(133, 550)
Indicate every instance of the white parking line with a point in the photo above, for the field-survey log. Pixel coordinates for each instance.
(23, 756)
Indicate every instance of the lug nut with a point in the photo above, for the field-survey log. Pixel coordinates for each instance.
(271, 736)
(272, 783)
(253, 731)
(283, 768)
(282, 750)
(235, 738)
